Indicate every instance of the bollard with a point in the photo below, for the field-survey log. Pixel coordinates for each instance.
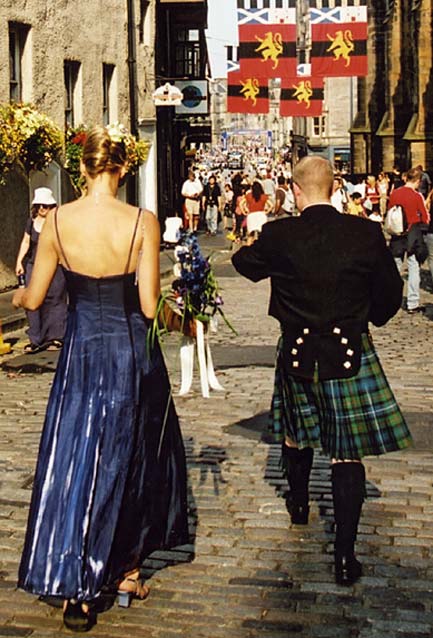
(4, 347)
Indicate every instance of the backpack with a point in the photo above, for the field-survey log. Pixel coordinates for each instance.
(395, 222)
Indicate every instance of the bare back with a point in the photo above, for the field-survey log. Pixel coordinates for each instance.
(99, 239)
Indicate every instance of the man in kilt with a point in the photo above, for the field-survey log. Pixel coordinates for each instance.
(331, 274)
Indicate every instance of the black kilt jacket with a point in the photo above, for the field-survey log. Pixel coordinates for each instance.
(330, 275)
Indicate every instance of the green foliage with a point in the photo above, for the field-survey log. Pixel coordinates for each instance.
(31, 140)
(75, 139)
(28, 138)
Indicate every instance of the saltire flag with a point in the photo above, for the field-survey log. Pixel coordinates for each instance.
(339, 41)
(267, 42)
(301, 96)
(247, 93)
(232, 59)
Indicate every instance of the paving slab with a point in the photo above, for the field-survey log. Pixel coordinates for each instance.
(247, 572)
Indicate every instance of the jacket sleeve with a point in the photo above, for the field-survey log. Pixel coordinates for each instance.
(386, 285)
(252, 261)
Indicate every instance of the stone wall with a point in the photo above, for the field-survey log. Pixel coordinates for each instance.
(14, 211)
(395, 115)
(92, 34)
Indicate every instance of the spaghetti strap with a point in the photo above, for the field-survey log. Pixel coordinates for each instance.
(133, 240)
(58, 239)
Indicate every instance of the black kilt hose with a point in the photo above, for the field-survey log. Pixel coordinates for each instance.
(348, 418)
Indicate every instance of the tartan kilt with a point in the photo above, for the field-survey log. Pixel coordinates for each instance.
(347, 418)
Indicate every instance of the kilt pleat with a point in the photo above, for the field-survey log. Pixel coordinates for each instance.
(348, 418)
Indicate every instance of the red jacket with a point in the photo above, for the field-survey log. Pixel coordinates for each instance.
(412, 203)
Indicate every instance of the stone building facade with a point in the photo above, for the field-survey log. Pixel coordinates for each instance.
(70, 59)
(394, 122)
(77, 62)
(328, 134)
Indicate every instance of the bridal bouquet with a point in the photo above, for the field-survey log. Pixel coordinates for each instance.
(195, 295)
(194, 291)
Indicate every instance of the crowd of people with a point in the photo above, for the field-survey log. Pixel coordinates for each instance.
(223, 198)
(110, 482)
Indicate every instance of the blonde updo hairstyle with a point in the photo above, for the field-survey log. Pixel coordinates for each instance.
(101, 154)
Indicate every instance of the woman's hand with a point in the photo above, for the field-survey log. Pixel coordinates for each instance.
(19, 270)
(17, 298)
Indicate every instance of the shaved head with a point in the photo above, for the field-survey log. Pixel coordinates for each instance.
(315, 176)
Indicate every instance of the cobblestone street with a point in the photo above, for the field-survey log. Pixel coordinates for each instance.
(247, 572)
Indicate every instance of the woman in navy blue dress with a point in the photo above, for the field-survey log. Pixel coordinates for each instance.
(110, 483)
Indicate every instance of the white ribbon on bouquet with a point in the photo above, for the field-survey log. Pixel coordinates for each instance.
(208, 379)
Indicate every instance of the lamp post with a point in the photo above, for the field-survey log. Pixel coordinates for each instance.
(132, 183)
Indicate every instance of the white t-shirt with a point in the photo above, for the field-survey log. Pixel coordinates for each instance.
(191, 188)
(338, 200)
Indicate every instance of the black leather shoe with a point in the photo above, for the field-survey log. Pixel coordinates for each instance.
(298, 513)
(347, 569)
(76, 619)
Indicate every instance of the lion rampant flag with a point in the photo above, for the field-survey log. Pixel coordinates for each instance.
(267, 42)
(301, 96)
(339, 41)
(247, 94)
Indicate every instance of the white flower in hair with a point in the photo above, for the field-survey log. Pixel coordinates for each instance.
(117, 132)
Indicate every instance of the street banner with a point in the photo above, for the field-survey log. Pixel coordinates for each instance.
(339, 41)
(269, 140)
(267, 40)
(247, 94)
(301, 97)
(224, 140)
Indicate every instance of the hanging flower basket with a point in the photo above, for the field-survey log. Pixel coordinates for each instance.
(27, 138)
(7, 152)
(75, 138)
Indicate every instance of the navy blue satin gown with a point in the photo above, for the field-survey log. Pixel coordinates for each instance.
(110, 484)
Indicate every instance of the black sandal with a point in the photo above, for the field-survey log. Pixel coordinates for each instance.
(32, 348)
(76, 619)
(55, 344)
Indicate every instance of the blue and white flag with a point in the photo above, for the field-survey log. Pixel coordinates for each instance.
(233, 64)
(253, 16)
(338, 15)
(267, 16)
